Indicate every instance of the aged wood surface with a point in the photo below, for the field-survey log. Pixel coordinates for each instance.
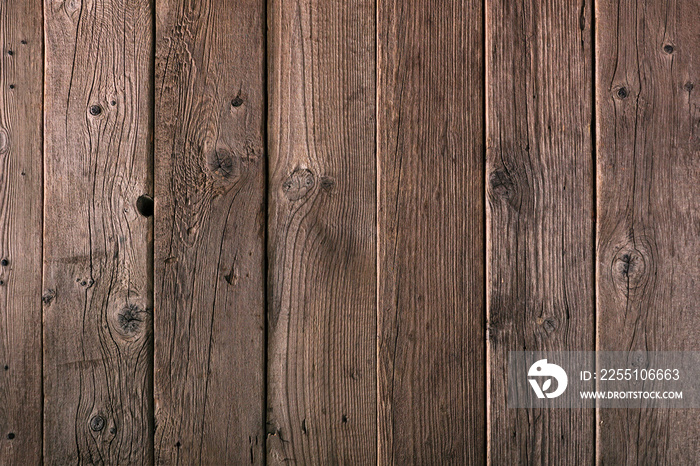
(648, 147)
(97, 281)
(322, 232)
(540, 190)
(209, 232)
(431, 372)
(21, 70)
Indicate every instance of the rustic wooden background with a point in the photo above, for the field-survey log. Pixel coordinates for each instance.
(310, 231)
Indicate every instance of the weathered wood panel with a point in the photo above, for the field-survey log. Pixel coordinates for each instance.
(209, 232)
(540, 182)
(97, 282)
(648, 144)
(431, 233)
(21, 81)
(322, 232)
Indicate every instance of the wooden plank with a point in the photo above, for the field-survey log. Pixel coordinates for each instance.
(209, 235)
(97, 281)
(21, 71)
(322, 232)
(431, 233)
(648, 143)
(540, 179)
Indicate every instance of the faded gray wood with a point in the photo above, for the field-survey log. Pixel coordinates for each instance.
(21, 71)
(209, 232)
(540, 212)
(97, 280)
(322, 232)
(648, 155)
(431, 314)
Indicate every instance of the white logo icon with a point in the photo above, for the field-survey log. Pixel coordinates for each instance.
(542, 369)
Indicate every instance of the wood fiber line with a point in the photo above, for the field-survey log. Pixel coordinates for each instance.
(648, 141)
(209, 232)
(97, 280)
(539, 169)
(21, 70)
(431, 373)
(322, 232)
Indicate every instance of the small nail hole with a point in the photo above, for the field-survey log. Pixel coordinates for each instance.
(5, 262)
(95, 110)
(11, 435)
(237, 102)
(668, 49)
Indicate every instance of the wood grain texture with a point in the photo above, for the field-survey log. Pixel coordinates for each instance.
(539, 169)
(322, 232)
(21, 71)
(431, 233)
(648, 141)
(209, 232)
(97, 282)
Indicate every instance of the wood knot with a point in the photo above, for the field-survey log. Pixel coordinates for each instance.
(501, 185)
(629, 269)
(130, 319)
(144, 205)
(298, 184)
(224, 164)
(622, 92)
(4, 141)
(97, 423)
(48, 296)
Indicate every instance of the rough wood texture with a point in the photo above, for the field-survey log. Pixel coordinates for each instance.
(539, 172)
(97, 281)
(322, 235)
(648, 78)
(210, 227)
(20, 231)
(431, 233)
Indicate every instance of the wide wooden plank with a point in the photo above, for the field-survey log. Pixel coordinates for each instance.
(322, 232)
(431, 233)
(648, 144)
(97, 283)
(540, 180)
(209, 232)
(21, 71)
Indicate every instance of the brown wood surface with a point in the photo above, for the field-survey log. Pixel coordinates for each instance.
(431, 361)
(540, 212)
(97, 281)
(322, 233)
(209, 232)
(21, 70)
(648, 141)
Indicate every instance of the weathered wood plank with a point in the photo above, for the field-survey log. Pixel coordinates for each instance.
(21, 71)
(209, 232)
(322, 232)
(431, 233)
(648, 144)
(97, 322)
(540, 179)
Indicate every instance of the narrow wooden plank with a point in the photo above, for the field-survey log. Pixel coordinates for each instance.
(209, 234)
(648, 144)
(539, 168)
(21, 72)
(97, 282)
(431, 233)
(322, 232)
